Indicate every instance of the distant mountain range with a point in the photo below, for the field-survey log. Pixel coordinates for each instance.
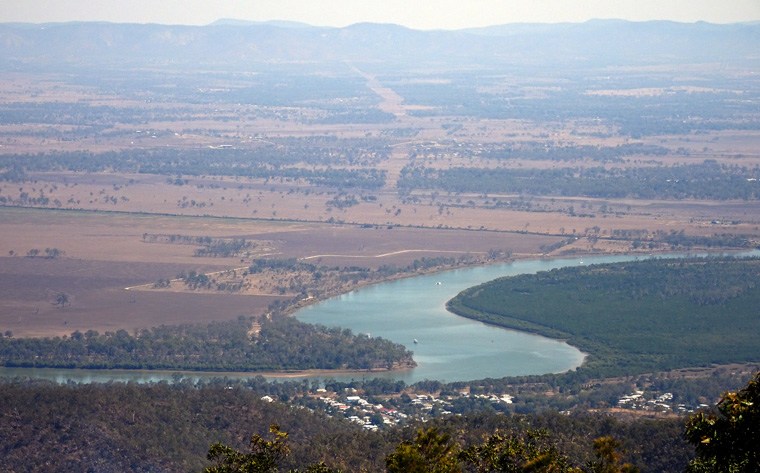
(232, 44)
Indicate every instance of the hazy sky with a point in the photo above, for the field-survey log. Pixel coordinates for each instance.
(418, 14)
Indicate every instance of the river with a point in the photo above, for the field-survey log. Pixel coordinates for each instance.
(449, 348)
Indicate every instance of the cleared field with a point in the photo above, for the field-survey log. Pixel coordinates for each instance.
(114, 227)
(247, 198)
(104, 253)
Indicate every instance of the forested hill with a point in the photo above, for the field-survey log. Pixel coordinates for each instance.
(169, 428)
(633, 317)
(594, 43)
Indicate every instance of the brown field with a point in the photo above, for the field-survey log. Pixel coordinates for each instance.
(99, 219)
(105, 254)
(243, 198)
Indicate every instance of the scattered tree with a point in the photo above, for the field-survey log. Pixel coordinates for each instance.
(62, 299)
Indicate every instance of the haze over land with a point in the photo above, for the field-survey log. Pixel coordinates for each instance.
(606, 136)
(210, 180)
(417, 14)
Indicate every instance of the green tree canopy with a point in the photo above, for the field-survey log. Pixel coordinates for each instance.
(608, 457)
(730, 441)
(264, 456)
(430, 452)
(501, 453)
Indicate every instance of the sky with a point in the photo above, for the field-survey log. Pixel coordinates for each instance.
(417, 14)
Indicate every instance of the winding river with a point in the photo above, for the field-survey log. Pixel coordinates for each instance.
(448, 348)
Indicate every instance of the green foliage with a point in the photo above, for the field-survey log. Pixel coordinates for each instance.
(633, 317)
(262, 163)
(118, 427)
(62, 299)
(291, 264)
(608, 457)
(342, 201)
(500, 453)
(708, 180)
(728, 442)
(430, 452)
(264, 456)
(529, 452)
(283, 343)
(224, 249)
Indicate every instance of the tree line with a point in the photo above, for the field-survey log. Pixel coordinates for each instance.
(212, 247)
(260, 163)
(282, 343)
(708, 180)
(540, 151)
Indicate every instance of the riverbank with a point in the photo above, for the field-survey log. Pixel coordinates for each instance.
(441, 362)
(631, 317)
(329, 293)
(87, 375)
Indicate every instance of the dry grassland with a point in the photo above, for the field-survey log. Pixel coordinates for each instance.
(101, 218)
(105, 253)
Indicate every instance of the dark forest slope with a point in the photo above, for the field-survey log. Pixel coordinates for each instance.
(168, 428)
